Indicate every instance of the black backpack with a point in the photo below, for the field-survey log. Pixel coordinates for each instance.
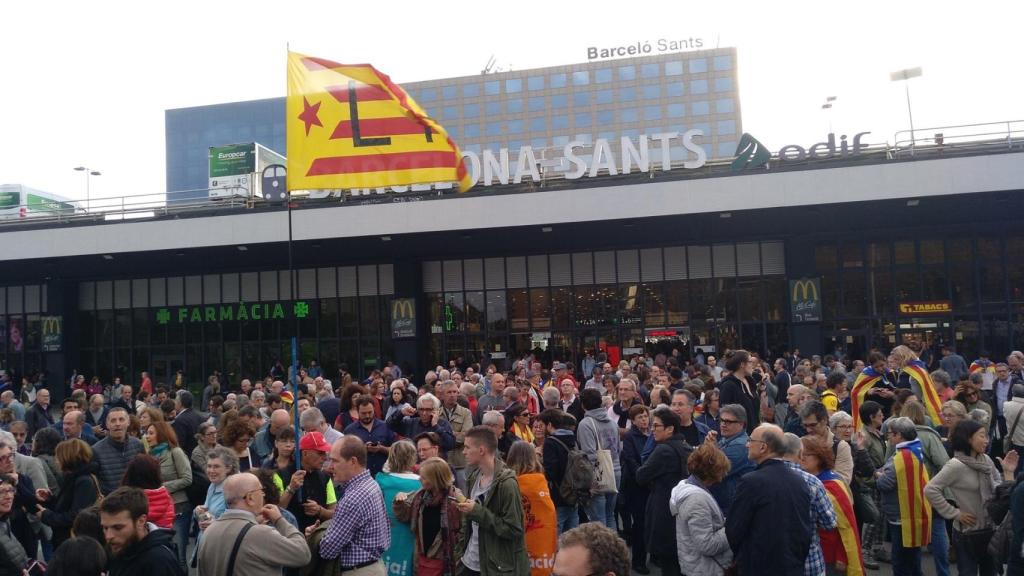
(578, 478)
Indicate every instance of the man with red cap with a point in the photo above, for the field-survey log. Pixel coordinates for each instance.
(317, 490)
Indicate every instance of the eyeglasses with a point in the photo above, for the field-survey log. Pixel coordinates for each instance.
(260, 490)
(724, 421)
(844, 426)
(752, 440)
(6, 457)
(6, 492)
(657, 425)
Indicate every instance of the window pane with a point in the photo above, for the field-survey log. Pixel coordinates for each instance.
(992, 276)
(540, 307)
(581, 99)
(627, 73)
(908, 285)
(700, 108)
(580, 78)
(749, 293)
(535, 83)
(652, 92)
(880, 292)
(561, 305)
(497, 317)
(723, 63)
(535, 104)
(830, 295)
(558, 80)
(677, 302)
(629, 299)
(932, 252)
(606, 96)
(961, 280)
(723, 84)
(627, 115)
(583, 120)
(677, 111)
(673, 68)
(904, 252)
(515, 127)
(586, 307)
(674, 89)
(652, 112)
(606, 117)
(699, 87)
(852, 256)
(559, 101)
(513, 85)
(472, 131)
(989, 248)
(775, 298)
(698, 65)
(471, 111)
(449, 92)
(934, 280)
(960, 250)
(603, 75)
(854, 294)
(428, 95)
(492, 108)
(518, 310)
(492, 88)
(650, 70)
(474, 311)
(471, 90)
(724, 106)
(560, 122)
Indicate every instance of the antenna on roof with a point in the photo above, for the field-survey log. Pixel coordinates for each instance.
(490, 65)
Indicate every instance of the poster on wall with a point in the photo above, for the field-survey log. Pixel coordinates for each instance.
(53, 332)
(16, 335)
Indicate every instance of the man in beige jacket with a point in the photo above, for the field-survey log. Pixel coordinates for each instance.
(270, 544)
(461, 420)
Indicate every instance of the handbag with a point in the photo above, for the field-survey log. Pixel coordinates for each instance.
(604, 470)
(1008, 441)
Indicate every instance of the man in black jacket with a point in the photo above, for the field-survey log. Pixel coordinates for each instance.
(559, 440)
(137, 547)
(38, 416)
(769, 524)
(186, 422)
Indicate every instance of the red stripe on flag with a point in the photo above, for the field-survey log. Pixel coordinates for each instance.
(381, 162)
(314, 63)
(909, 465)
(371, 127)
(364, 93)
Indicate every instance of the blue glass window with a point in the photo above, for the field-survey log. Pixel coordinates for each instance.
(560, 140)
(627, 94)
(652, 92)
(609, 136)
(698, 65)
(450, 92)
(704, 127)
(583, 120)
(535, 104)
(674, 68)
(726, 127)
(627, 115)
(650, 70)
(603, 75)
(453, 131)
(558, 80)
(514, 145)
(674, 89)
(471, 111)
(492, 88)
(699, 87)
(699, 108)
(723, 62)
(539, 143)
(605, 116)
(538, 124)
(606, 96)
(580, 78)
(513, 85)
(535, 83)
(632, 133)
(675, 110)
(627, 73)
(652, 112)
(451, 112)
(559, 101)
(581, 99)
(585, 138)
(492, 108)
(428, 95)
(475, 148)
(514, 106)
(471, 90)
(472, 131)
(559, 122)
(724, 106)
(515, 127)
(723, 84)
(493, 129)
(726, 149)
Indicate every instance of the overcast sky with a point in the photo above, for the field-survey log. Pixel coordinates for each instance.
(88, 82)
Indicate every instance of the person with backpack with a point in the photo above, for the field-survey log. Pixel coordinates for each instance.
(563, 464)
(660, 473)
(598, 438)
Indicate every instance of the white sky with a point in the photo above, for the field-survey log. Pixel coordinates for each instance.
(88, 82)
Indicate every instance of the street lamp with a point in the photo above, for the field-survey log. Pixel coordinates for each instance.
(89, 173)
(905, 75)
(829, 100)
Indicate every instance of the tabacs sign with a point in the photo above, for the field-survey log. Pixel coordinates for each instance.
(926, 307)
(805, 300)
(240, 312)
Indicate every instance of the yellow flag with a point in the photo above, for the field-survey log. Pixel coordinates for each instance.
(349, 126)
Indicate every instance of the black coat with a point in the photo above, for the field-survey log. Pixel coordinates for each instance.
(556, 460)
(732, 392)
(769, 523)
(186, 426)
(79, 489)
(660, 473)
(37, 418)
(154, 555)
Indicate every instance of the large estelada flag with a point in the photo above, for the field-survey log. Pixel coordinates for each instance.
(915, 510)
(350, 126)
(859, 393)
(842, 544)
(920, 377)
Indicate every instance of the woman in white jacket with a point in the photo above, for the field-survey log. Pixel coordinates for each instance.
(700, 527)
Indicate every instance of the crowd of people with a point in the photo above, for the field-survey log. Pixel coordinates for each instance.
(805, 466)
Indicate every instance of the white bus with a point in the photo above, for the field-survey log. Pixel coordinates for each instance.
(18, 201)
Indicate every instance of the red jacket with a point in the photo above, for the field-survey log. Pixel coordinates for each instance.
(161, 507)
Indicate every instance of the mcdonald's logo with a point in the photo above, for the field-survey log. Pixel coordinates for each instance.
(53, 331)
(805, 289)
(403, 309)
(403, 318)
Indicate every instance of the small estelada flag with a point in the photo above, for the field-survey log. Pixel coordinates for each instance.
(350, 126)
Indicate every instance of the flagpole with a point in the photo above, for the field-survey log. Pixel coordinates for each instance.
(295, 348)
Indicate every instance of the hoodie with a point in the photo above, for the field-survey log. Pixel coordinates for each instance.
(597, 431)
(154, 555)
(700, 529)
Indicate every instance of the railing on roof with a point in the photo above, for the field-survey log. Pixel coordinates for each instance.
(960, 138)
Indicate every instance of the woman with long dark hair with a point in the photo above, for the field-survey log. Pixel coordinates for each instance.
(740, 388)
(144, 472)
(176, 473)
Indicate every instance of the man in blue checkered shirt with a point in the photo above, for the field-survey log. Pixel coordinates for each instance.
(359, 532)
(823, 515)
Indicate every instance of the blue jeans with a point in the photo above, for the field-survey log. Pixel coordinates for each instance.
(940, 545)
(568, 518)
(182, 522)
(905, 561)
(601, 507)
(966, 563)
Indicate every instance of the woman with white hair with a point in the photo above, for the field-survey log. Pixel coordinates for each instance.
(864, 507)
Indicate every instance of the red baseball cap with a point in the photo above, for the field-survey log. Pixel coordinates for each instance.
(314, 441)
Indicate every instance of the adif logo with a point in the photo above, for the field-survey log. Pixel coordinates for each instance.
(750, 154)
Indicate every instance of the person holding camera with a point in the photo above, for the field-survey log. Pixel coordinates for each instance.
(741, 386)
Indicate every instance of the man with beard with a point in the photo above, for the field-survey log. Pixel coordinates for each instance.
(136, 546)
(373, 432)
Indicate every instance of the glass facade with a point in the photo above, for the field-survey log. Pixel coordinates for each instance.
(864, 284)
(22, 309)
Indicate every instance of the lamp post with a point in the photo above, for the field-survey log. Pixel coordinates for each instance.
(89, 173)
(905, 75)
(827, 106)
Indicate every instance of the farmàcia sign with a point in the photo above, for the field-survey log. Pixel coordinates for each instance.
(240, 312)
